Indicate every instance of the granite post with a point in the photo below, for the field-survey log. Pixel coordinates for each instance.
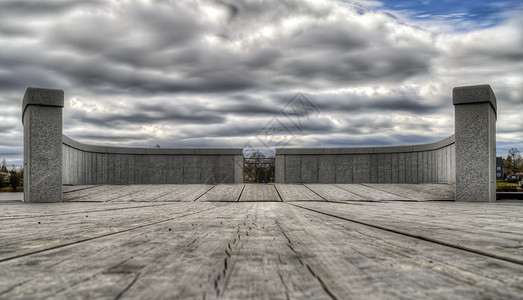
(475, 127)
(42, 120)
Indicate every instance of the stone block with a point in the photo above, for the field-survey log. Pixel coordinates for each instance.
(475, 147)
(238, 169)
(408, 167)
(309, 168)
(327, 168)
(42, 120)
(224, 170)
(361, 168)
(279, 168)
(191, 169)
(343, 169)
(381, 168)
(402, 168)
(111, 168)
(374, 167)
(174, 172)
(394, 167)
(414, 167)
(292, 169)
(208, 165)
(157, 169)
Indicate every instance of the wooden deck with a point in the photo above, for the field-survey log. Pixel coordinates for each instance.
(343, 241)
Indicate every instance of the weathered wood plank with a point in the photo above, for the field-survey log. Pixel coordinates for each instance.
(72, 188)
(178, 259)
(223, 192)
(260, 192)
(150, 193)
(331, 192)
(370, 193)
(21, 236)
(258, 250)
(19, 210)
(409, 191)
(359, 262)
(188, 193)
(493, 228)
(104, 193)
(297, 192)
(87, 192)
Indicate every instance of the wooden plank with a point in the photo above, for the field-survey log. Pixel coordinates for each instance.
(331, 192)
(188, 192)
(370, 193)
(104, 193)
(260, 192)
(223, 192)
(21, 236)
(490, 227)
(12, 211)
(360, 262)
(87, 192)
(437, 191)
(103, 267)
(407, 191)
(73, 188)
(263, 250)
(297, 192)
(150, 192)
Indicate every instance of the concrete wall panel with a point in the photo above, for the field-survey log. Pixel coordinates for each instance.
(361, 169)
(327, 172)
(292, 168)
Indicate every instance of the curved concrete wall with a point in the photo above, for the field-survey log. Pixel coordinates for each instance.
(88, 164)
(434, 162)
(466, 158)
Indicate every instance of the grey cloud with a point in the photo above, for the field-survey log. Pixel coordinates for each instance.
(161, 54)
(122, 54)
(21, 8)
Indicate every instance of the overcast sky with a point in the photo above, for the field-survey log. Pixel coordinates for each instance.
(217, 73)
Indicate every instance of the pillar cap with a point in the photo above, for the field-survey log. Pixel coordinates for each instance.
(472, 94)
(42, 97)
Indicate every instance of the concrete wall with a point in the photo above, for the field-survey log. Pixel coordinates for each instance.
(88, 164)
(433, 162)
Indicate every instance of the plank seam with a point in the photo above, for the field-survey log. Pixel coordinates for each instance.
(100, 236)
(204, 193)
(7, 218)
(314, 192)
(420, 237)
(278, 192)
(241, 193)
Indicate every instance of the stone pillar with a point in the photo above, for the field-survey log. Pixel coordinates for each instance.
(42, 120)
(475, 127)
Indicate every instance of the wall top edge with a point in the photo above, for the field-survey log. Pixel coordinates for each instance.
(369, 150)
(150, 151)
(474, 94)
(42, 97)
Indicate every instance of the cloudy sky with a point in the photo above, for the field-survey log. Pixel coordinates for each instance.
(227, 73)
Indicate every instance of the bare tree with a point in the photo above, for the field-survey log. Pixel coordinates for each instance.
(514, 162)
(258, 168)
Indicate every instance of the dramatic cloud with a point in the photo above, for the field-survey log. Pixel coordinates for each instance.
(214, 73)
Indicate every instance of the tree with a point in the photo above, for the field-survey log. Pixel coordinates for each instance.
(259, 168)
(14, 180)
(2, 180)
(514, 161)
(4, 167)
